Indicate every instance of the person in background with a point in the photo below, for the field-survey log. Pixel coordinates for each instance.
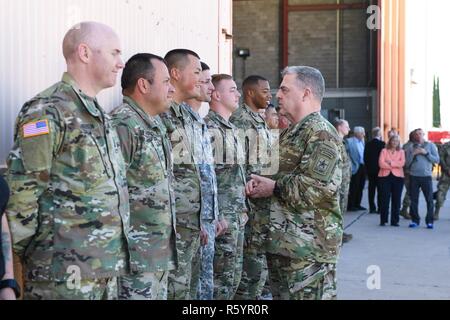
(9, 289)
(355, 148)
(371, 155)
(420, 158)
(393, 132)
(391, 178)
(343, 129)
(272, 118)
(406, 199)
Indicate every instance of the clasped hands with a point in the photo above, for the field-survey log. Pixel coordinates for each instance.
(259, 187)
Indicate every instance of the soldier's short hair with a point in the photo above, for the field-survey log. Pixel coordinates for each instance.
(139, 66)
(218, 78)
(179, 58)
(308, 77)
(204, 66)
(339, 122)
(252, 81)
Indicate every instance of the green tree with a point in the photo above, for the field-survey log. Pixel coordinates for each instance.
(436, 104)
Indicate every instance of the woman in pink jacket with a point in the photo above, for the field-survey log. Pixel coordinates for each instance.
(391, 177)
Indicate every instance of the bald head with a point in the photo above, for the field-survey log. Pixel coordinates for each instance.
(92, 34)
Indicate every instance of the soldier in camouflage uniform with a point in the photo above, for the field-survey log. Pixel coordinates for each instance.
(406, 199)
(305, 219)
(68, 210)
(184, 70)
(229, 160)
(148, 154)
(248, 120)
(343, 129)
(444, 180)
(202, 286)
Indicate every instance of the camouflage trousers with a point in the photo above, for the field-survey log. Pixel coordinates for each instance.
(292, 279)
(92, 289)
(343, 196)
(442, 189)
(406, 199)
(144, 286)
(254, 273)
(202, 287)
(228, 261)
(179, 281)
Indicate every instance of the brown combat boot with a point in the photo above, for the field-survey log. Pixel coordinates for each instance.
(404, 213)
(346, 237)
(436, 213)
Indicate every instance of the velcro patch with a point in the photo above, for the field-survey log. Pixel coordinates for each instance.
(36, 128)
(323, 162)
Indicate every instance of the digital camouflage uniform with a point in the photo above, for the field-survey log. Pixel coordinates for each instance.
(202, 286)
(256, 139)
(180, 128)
(148, 155)
(305, 218)
(444, 180)
(229, 160)
(406, 199)
(68, 211)
(346, 177)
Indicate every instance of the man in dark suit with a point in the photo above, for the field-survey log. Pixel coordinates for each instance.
(371, 155)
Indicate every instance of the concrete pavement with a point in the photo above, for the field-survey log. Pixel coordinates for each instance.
(411, 263)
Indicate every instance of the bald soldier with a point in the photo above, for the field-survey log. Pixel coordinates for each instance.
(148, 155)
(68, 210)
(305, 217)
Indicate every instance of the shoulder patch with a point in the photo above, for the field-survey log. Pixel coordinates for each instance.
(35, 128)
(323, 161)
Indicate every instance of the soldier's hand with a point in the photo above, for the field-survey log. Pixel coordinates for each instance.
(203, 237)
(224, 225)
(262, 187)
(219, 229)
(249, 187)
(7, 294)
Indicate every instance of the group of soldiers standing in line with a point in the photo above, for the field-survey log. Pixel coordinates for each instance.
(153, 201)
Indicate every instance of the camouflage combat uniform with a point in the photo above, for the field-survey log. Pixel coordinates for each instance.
(68, 211)
(229, 160)
(180, 128)
(406, 199)
(202, 286)
(444, 180)
(346, 177)
(305, 218)
(254, 273)
(148, 154)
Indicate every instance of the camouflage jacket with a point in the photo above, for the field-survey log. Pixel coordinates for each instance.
(306, 221)
(256, 138)
(148, 154)
(187, 186)
(444, 155)
(229, 160)
(347, 165)
(68, 210)
(203, 157)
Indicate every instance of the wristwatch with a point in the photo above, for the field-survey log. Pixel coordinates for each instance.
(10, 283)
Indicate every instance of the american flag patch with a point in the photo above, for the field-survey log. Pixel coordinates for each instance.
(37, 128)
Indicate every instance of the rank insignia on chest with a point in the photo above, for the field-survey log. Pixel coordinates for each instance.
(36, 128)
